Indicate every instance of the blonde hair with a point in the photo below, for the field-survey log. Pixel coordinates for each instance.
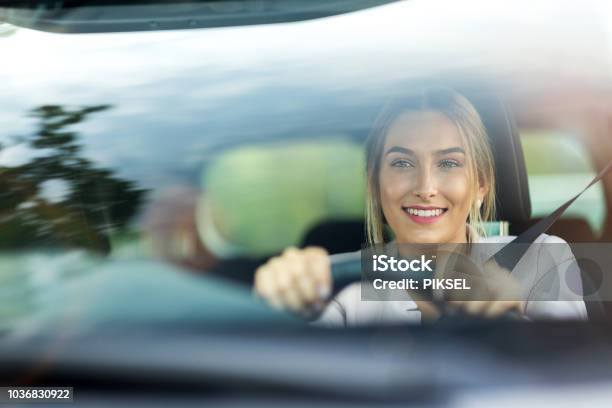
(473, 134)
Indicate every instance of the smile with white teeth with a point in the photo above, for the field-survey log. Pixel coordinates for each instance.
(425, 213)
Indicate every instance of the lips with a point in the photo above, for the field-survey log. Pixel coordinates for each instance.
(424, 215)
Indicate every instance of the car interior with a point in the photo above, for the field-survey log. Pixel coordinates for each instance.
(345, 231)
(190, 162)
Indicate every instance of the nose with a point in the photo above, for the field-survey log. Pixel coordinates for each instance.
(426, 186)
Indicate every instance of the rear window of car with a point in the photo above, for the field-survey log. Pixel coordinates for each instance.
(263, 197)
(558, 167)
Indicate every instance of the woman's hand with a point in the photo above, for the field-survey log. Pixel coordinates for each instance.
(298, 280)
(482, 308)
(494, 292)
(490, 309)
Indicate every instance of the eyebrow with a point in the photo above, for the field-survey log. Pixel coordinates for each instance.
(451, 150)
(398, 149)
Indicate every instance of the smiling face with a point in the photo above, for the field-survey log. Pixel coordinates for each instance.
(426, 181)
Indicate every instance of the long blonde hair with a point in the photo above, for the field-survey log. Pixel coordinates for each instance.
(473, 134)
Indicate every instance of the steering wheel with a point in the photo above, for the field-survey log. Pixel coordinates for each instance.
(346, 270)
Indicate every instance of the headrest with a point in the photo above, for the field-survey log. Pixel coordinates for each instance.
(513, 203)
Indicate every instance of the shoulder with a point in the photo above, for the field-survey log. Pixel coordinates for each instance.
(550, 248)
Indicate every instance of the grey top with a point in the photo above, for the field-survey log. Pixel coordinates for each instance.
(347, 309)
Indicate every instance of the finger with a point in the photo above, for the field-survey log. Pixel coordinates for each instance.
(472, 307)
(303, 282)
(307, 287)
(289, 250)
(319, 269)
(281, 273)
(287, 290)
(264, 281)
(275, 282)
(293, 300)
(266, 287)
(275, 303)
(497, 308)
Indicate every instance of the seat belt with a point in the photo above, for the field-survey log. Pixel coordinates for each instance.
(510, 255)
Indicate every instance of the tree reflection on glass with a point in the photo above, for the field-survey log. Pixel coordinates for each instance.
(58, 197)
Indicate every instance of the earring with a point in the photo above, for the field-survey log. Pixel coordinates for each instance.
(478, 204)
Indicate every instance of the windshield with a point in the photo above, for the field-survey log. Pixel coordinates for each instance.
(147, 176)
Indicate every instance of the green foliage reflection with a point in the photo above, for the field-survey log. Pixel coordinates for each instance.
(93, 201)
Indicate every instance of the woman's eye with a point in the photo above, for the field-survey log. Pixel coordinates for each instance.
(401, 163)
(449, 164)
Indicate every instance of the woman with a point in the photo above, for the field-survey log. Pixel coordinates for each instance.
(430, 176)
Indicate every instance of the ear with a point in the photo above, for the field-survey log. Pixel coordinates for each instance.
(483, 189)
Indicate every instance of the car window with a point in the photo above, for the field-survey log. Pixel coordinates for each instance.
(265, 197)
(558, 167)
(211, 150)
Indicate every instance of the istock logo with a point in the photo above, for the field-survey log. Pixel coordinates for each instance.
(383, 263)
